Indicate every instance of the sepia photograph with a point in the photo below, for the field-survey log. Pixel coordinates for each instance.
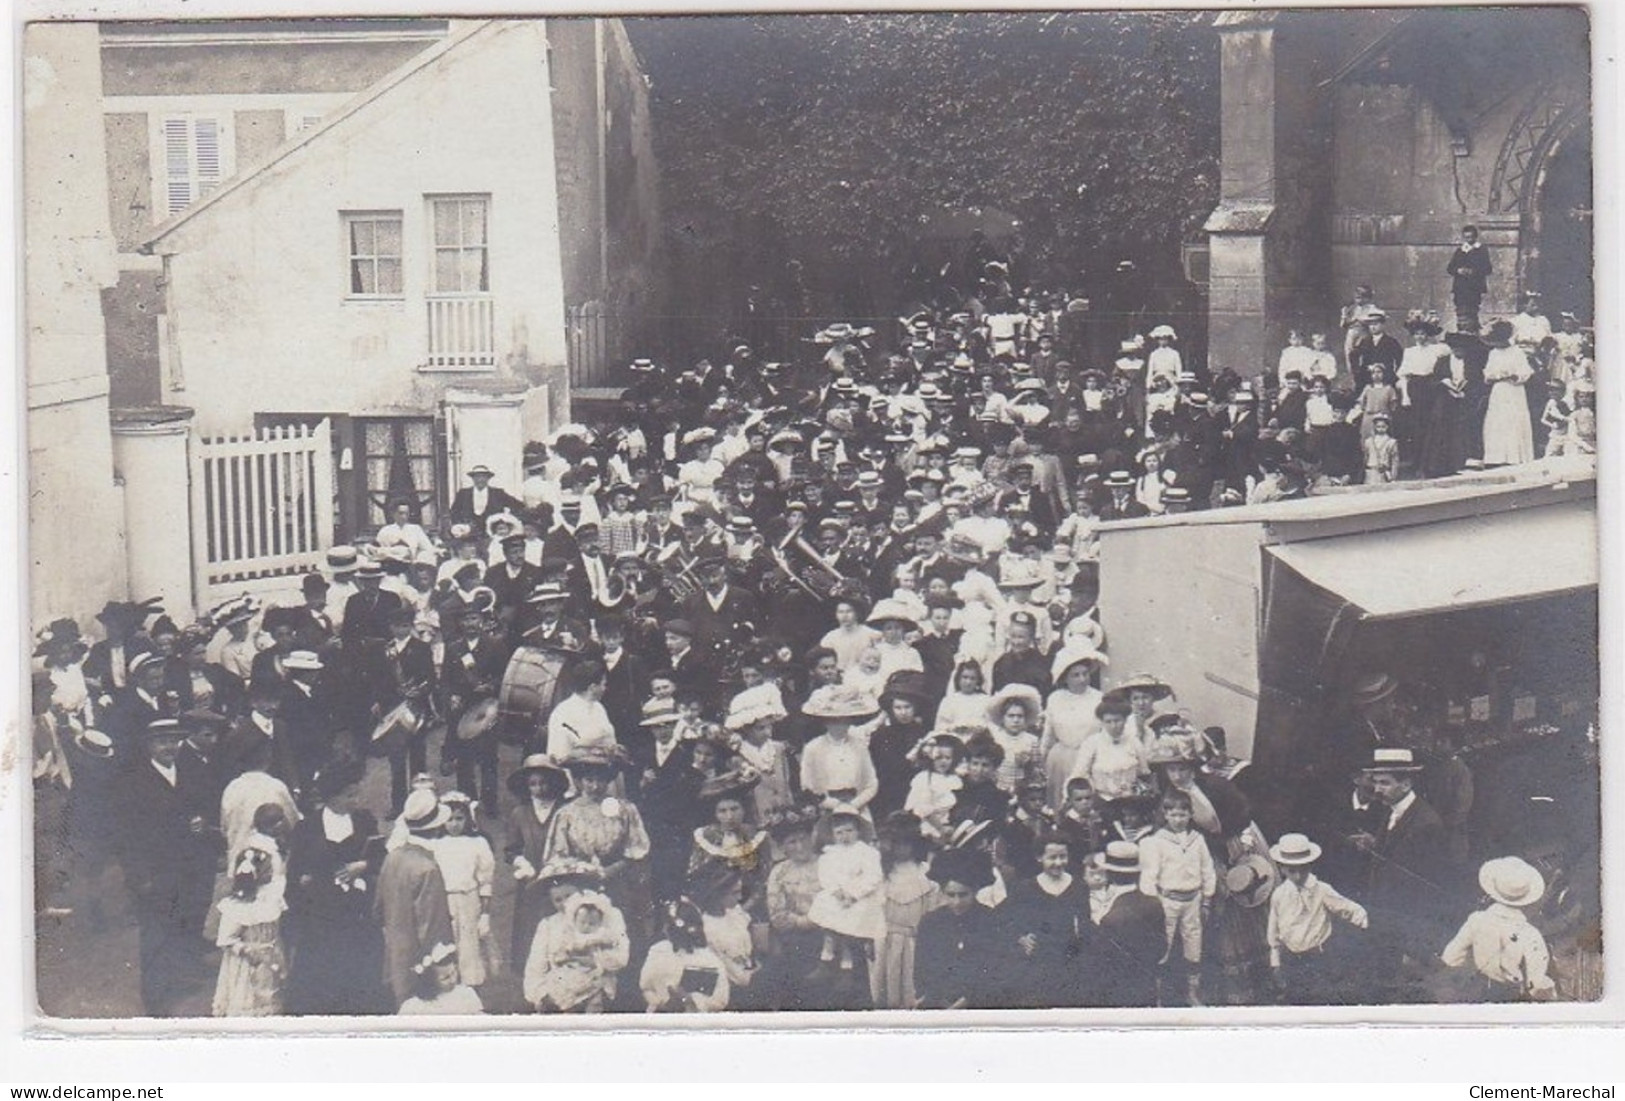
(589, 517)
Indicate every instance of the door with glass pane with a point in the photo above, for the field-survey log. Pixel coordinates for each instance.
(400, 461)
(461, 311)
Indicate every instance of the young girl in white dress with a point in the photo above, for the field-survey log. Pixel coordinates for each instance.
(850, 904)
(468, 866)
(252, 963)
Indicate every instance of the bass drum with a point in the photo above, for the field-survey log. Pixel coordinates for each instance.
(530, 688)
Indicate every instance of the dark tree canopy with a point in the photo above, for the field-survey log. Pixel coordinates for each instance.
(824, 165)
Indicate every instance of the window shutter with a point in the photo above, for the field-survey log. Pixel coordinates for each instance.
(177, 164)
(209, 169)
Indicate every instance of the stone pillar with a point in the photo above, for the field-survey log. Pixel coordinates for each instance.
(151, 458)
(75, 519)
(488, 427)
(1264, 237)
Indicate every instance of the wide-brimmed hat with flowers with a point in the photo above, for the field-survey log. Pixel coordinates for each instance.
(840, 701)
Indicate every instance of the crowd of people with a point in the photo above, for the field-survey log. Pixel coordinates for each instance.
(808, 703)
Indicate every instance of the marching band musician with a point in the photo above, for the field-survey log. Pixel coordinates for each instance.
(472, 673)
(408, 678)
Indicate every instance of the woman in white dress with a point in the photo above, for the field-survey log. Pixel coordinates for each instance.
(1069, 715)
(1509, 435)
(697, 478)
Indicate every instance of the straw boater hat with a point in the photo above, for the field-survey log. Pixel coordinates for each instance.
(94, 743)
(1024, 694)
(1511, 881)
(1294, 850)
(302, 661)
(1073, 653)
(1122, 857)
(659, 712)
(840, 701)
(1386, 759)
(1251, 880)
(424, 812)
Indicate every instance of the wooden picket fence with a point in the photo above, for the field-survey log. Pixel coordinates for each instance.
(262, 508)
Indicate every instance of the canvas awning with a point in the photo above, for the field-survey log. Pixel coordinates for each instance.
(1496, 558)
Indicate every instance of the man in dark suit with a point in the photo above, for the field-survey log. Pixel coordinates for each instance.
(690, 668)
(1469, 271)
(666, 789)
(307, 715)
(1292, 403)
(165, 858)
(627, 678)
(1122, 505)
(367, 613)
(315, 627)
(261, 736)
(514, 579)
(1238, 434)
(1409, 893)
(474, 505)
(1024, 495)
(722, 614)
(144, 700)
(1132, 939)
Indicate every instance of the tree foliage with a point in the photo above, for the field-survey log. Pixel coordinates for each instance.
(811, 155)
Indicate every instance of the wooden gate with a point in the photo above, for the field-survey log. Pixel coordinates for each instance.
(587, 328)
(262, 509)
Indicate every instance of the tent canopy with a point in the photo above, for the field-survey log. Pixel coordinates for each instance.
(1495, 558)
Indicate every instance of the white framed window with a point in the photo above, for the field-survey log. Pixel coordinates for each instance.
(372, 252)
(460, 228)
(192, 154)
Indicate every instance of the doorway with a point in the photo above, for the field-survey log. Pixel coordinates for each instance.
(1561, 260)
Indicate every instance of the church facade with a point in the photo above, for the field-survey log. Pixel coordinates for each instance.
(1355, 144)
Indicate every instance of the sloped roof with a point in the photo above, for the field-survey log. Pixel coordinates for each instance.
(430, 59)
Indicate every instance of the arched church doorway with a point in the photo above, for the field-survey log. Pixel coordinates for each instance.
(1560, 263)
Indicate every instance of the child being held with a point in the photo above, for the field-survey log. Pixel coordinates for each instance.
(849, 906)
(935, 788)
(581, 950)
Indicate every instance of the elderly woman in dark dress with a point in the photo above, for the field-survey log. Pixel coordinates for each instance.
(539, 785)
(333, 860)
